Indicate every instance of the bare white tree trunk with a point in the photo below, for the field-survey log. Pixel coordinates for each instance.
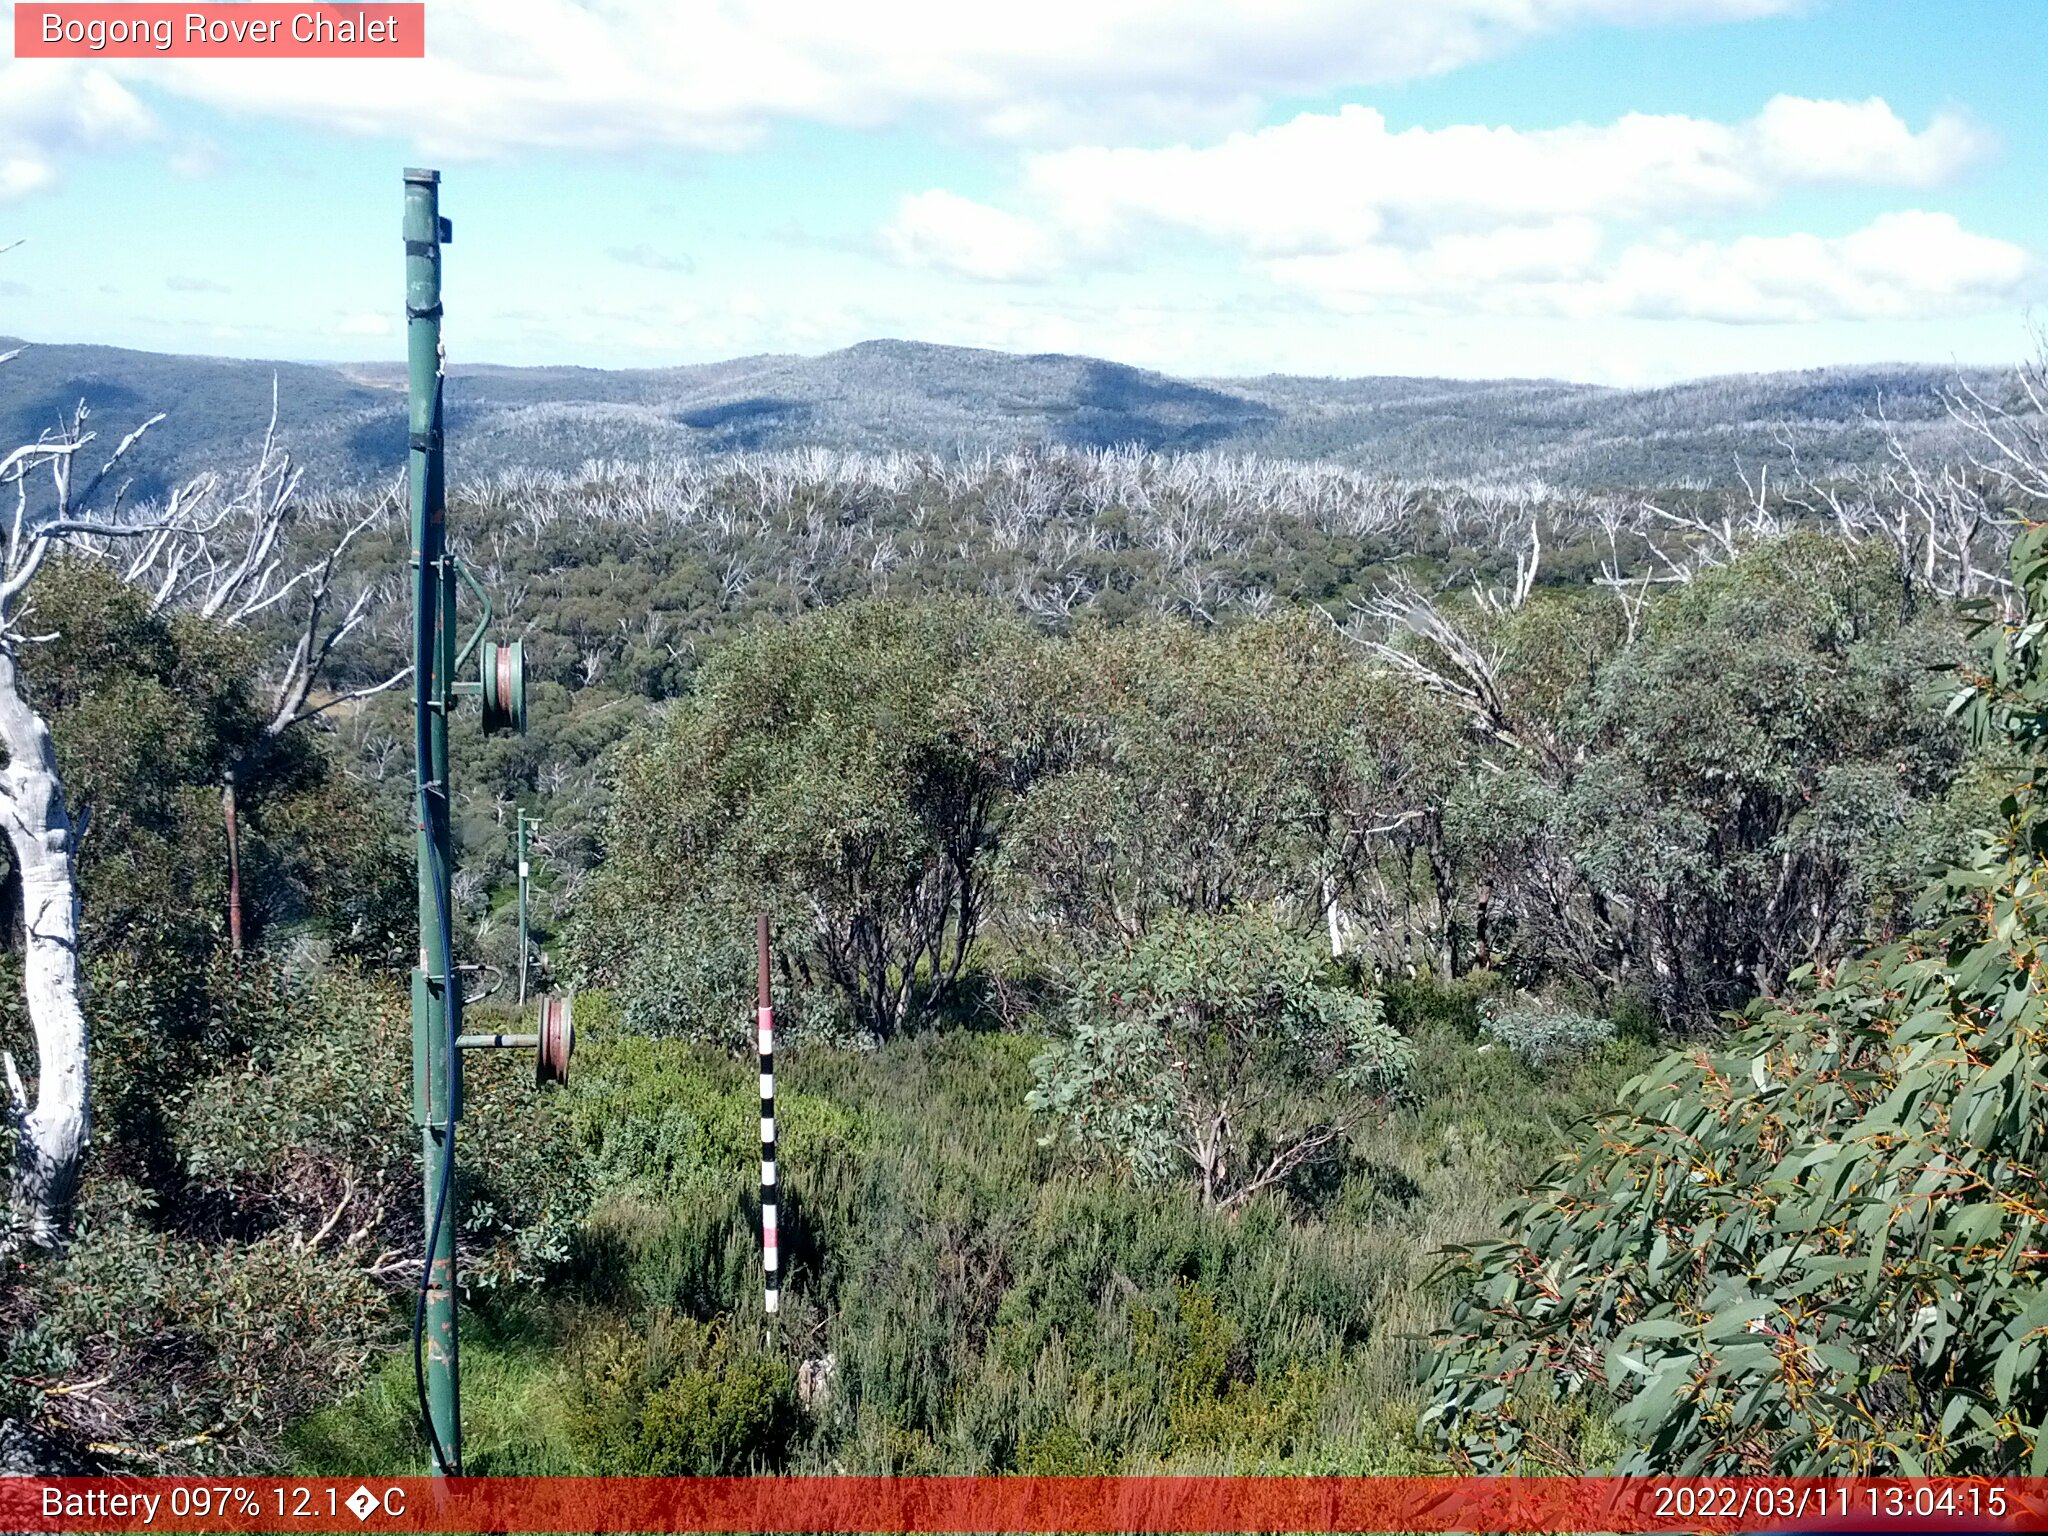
(52, 1134)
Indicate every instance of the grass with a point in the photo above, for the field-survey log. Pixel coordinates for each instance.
(986, 1304)
(511, 1418)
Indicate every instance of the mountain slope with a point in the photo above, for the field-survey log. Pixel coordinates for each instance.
(346, 422)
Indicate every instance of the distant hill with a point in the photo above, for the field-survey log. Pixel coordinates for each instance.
(346, 422)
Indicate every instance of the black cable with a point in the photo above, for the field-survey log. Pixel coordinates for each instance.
(423, 771)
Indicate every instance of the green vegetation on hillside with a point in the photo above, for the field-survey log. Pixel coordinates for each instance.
(1753, 782)
(985, 1301)
(1202, 890)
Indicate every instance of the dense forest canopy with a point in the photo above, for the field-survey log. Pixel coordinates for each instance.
(1204, 887)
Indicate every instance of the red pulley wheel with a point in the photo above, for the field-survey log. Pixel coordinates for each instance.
(501, 681)
(557, 1041)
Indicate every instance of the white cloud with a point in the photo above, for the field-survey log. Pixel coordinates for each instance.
(362, 323)
(611, 74)
(1860, 141)
(1334, 182)
(1460, 268)
(1905, 265)
(51, 108)
(1908, 265)
(1588, 221)
(938, 229)
(23, 174)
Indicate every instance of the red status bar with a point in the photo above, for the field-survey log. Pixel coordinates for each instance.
(1062, 1504)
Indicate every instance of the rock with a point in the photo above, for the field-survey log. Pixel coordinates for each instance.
(27, 1452)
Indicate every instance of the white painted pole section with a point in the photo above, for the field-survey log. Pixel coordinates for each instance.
(771, 1236)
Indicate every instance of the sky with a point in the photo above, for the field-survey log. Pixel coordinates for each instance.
(1614, 191)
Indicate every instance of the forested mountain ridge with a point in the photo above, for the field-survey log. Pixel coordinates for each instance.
(345, 421)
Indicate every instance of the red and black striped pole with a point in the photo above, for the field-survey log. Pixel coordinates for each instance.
(764, 1021)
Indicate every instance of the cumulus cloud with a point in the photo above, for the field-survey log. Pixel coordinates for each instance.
(939, 229)
(1796, 140)
(1328, 182)
(50, 109)
(1904, 265)
(504, 75)
(1587, 221)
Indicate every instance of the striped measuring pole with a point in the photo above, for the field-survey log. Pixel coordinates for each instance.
(764, 1023)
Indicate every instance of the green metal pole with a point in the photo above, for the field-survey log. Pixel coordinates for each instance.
(436, 994)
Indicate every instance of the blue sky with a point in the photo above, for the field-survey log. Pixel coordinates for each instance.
(1613, 190)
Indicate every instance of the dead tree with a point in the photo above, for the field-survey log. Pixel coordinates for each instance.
(1456, 661)
(234, 557)
(230, 556)
(52, 1129)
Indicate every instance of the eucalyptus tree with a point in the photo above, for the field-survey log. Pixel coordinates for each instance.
(1689, 801)
(833, 770)
(1215, 1047)
(1813, 1247)
(1206, 770)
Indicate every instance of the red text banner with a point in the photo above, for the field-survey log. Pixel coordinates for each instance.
(220, 31)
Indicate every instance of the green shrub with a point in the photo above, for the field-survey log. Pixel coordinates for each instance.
(990, 1304)
(526, 1177)
(312, 1110)
(669, 1132)
(684, 1400)
(1215, 1045)
(694, 980)
(1416, 1004)
(1543, 1036)
(173, 1354)
(1060, 1450)
(305, 1126)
